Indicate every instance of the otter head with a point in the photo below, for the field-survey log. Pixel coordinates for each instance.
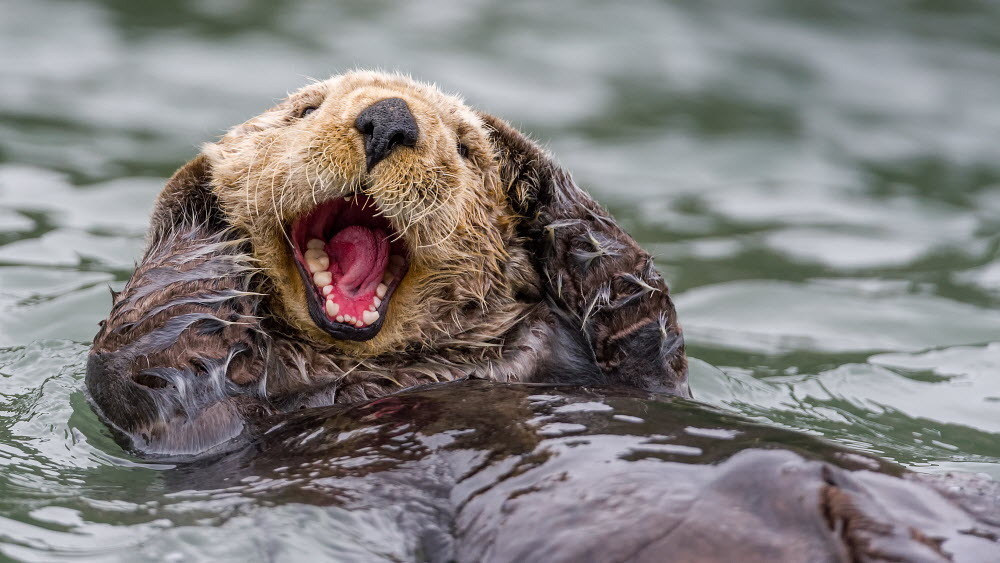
(376, 208)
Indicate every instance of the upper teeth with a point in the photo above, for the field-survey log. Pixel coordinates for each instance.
(316, 260)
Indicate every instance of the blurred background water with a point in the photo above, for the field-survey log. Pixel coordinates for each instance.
(818, 180)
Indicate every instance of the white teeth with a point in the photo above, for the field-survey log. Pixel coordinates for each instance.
(315, 244)
(371, 306)
(388, 277)
(377, 302)
(369, 317)
(332, 309)
(359, 324)
(318, 265)
(322, 278)
(340, 318)
(327, 289)
(316, 260)
(380, 290)
(349, 198)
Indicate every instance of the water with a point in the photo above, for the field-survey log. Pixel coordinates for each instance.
(818, 181)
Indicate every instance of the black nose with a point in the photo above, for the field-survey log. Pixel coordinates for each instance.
(386, 125)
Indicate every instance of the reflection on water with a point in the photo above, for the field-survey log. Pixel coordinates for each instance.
(818, 181)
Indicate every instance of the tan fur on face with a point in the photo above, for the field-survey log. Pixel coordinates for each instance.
(452, 211)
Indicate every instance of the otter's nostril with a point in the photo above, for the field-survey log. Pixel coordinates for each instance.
(385, 125)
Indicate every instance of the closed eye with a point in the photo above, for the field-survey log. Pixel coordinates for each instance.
(463, 150)
(306, 111)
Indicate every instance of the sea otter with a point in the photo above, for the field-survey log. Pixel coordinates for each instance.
(367, 234)
(369, 237)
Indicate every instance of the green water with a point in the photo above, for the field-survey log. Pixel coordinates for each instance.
(819, 181)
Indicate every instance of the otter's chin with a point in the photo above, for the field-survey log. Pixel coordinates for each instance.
(351, 261)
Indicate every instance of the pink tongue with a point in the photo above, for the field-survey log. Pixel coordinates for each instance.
(358, 256)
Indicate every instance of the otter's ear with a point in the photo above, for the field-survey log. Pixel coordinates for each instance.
(526, 170)
(187, 200)
(536, 186)
(596, 279)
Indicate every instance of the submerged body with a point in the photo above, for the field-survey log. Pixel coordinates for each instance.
(369, 235)
(509, 472)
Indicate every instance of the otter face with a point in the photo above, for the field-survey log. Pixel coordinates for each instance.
(374, 205)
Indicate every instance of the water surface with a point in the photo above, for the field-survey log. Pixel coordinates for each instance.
(819, 182)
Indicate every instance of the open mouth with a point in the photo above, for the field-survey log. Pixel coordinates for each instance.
(351, 261)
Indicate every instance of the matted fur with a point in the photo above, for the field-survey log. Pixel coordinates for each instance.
(515, 274)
